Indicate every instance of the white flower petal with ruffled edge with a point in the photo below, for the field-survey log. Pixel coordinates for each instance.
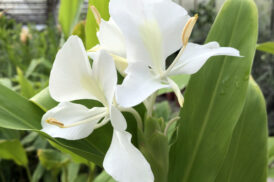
(104, 72)
(111, 38)
(69, 113)
(70, 77)
(124, 162)
(117, 119)
(138, 85)
(152, 29)
(195, 56)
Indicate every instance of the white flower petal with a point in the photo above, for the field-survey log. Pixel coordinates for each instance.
(71, 73)
(111, 38)
(104, 72)
(124, 162)
(70, 113)
(195, 56)
(139, 84)
(152, 29)
(117, 119)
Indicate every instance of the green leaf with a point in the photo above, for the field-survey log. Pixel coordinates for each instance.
(154, 145)
(26, 87)
(246, 159)
(270, 150)
(91, 25)
(69, 13)
(43, 100)
(38, 173)
(267, 47)
(215, 97)
(162, 110)
(52, 159)
(104, 177)
(12, 149)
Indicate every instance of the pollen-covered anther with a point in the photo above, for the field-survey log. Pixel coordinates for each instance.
(188, 29)
(55, 122)
(96, 14)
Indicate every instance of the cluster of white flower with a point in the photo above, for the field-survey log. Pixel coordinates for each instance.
(137, 39)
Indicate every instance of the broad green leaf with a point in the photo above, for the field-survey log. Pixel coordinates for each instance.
(8, 134)
(38, 173)
(13, 150)
(26, 87)
(91, 25)
(69, 13)
(267, 47)
(215, 97)
(246, 159)
(70, 172)
(43, 100)
(104, 177)
(154, 145)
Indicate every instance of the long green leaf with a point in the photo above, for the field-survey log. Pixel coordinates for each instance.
(69, 14)
(246, 160)
(13, 150)
(91, 25)
(267, 47)
(215, 97)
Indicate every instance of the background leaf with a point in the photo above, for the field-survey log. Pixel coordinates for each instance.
(12, 149)
(215, 97)
(91, 25)
(69, 13)
(246, 160)
(267, 47)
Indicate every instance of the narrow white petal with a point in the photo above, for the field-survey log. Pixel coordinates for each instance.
(195, 56)
(70, 113)
(152, 29)
(111, 38)
(71, 73)
(117, 119)
(104, 72)
(139, 84)
(124, 162)
(177, 91)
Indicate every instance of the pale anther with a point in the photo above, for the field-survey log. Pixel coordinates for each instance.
(188, 29)
(55, 122)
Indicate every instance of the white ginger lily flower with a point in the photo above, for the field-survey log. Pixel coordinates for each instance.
(151, 31)
(71, 79)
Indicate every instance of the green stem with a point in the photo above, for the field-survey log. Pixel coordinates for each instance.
(151, 103)
(28, 173)
(169, 123)
(66, 173)
(136, 116)
(91, 172)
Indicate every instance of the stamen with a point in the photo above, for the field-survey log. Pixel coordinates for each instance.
(188, 29)
(185, 37)
(61, 125)
(96, 14)
(55, 122)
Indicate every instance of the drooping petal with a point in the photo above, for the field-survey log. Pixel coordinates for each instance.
(117, 119)
(124, 162)
(195, 56)
(111, 38)
(68, 113)
(105, 74)
(70, 77)
(139, 84)
(152, 29)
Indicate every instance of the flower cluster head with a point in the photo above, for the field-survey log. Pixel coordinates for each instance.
(136, 41)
